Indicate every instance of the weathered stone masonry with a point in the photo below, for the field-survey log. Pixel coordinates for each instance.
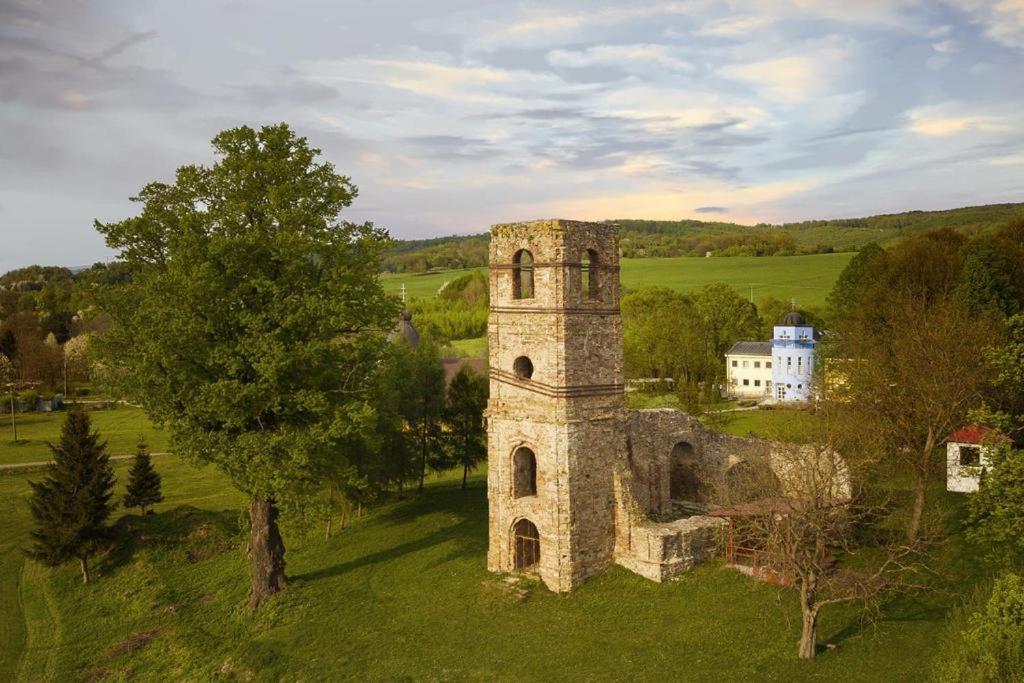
(574, 477)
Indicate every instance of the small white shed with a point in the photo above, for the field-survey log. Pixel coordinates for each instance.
(966, 457)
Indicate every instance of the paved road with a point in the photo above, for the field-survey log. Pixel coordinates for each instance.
(44, 463)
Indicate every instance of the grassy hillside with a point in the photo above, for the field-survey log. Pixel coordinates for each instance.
(658, 239)
(809, 279)
(404, 594)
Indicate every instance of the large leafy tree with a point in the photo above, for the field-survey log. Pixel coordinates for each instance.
(726, 317)
(71, 505)
(252, 321)
(661, 336)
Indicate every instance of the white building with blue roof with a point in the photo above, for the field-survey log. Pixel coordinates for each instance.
(793, 359)
(779, 370)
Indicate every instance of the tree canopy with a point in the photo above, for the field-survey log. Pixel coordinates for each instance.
(253, 321)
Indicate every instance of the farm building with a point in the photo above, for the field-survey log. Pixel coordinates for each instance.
(748, 369)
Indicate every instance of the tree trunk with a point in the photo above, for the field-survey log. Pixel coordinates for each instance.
(920, 487)
(266, 551)
(465, 473)
(84, 563)
(809, 636)
(809, 612)
(423, 463)
(327, 533)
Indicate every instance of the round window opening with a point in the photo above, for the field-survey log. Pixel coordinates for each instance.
(789, 386)
(523, 367)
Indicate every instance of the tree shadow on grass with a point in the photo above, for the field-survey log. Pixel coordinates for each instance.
(194, 533)
(468, 534)
(902, 609)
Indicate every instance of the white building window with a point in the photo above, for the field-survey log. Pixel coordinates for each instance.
(734, 363)
(746, 364)
(757, 382)
(746, 382)
(768, 364)
(757, 363)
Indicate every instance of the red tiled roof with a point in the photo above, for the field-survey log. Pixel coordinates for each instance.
(973, 434)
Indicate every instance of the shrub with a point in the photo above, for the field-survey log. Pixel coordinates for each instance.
(990, 645)
(29, 398)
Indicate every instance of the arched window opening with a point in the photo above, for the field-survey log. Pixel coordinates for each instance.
(523, 367)
(522, 275)
(524, 473)
(526, 540)
(684, 481)
(588, 274)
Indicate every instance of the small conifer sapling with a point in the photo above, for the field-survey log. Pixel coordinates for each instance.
(143, 482)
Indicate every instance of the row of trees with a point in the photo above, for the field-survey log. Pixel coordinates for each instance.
(667, 334)
(47, 315)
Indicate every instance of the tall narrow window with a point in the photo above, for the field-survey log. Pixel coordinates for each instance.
(588, 274)
(524, 473)
(522, 275)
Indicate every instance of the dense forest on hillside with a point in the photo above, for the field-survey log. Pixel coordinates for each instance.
(650, 239)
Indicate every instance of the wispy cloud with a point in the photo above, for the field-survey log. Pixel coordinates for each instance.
(620, 56)
(452, 115)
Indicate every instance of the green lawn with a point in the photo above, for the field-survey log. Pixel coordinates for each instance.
(120, 427)
(404, 594)
(808, 279)
(470, 348)
(783, 424)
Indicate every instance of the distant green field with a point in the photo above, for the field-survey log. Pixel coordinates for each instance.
(120, 427)
(808, 279)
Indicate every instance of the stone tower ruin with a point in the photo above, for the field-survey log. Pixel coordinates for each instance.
(556, 403)
(575, 480)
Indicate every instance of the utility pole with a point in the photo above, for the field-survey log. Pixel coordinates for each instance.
(14, 420)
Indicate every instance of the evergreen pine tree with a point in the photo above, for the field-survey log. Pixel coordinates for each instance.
(72, 503)
(143, 482)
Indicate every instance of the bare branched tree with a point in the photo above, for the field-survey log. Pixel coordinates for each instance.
(804, 527)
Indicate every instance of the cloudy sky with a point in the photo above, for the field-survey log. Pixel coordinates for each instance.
(451, 115)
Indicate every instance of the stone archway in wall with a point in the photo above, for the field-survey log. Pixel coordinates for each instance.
(525, 544)
(684, 474)
(750, 480)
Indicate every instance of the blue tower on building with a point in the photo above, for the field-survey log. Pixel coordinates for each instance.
(793, 359)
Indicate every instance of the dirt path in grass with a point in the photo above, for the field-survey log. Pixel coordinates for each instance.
(44, 463)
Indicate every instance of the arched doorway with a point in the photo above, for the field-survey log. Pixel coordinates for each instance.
(684, 479)
(524, 473)
(526, 544)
